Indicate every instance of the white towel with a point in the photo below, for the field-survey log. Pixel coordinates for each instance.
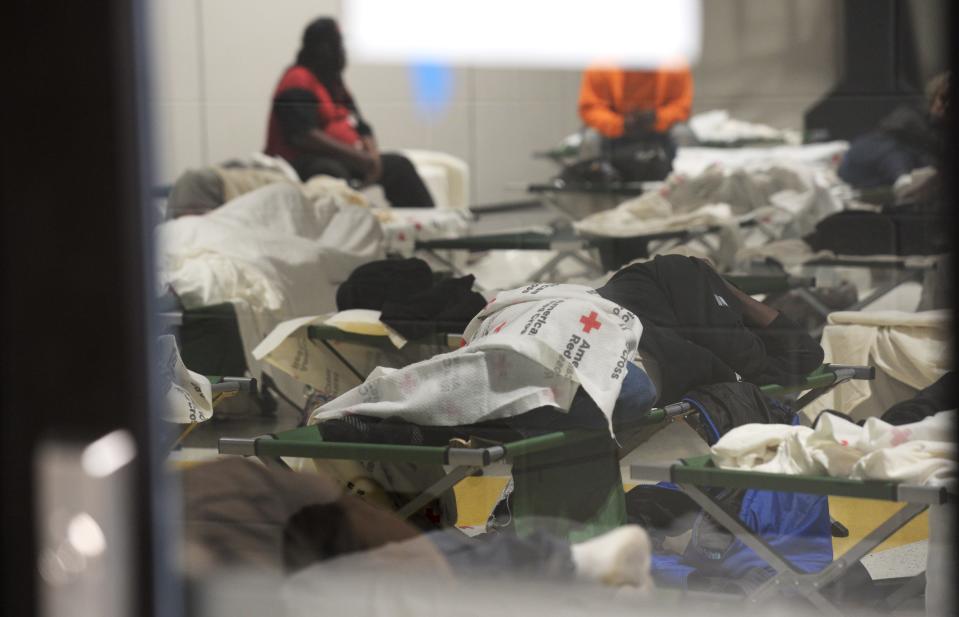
(530, 347)
(274, 253)
(911, 348)
(919, 453)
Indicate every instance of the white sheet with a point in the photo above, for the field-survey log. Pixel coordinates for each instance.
(530, 347)
(913, 349)
(787, 197)
(189, 396)
(694, 160)
(651, 213)
(920, 453)
(274, 253)
(718, 126)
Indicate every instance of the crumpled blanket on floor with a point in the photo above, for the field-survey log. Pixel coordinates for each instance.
(274, 253)
(530, 347)
(920, 453)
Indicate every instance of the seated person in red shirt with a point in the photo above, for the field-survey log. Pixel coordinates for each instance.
(316, 126)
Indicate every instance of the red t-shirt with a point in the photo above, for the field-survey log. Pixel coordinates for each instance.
(301, 102)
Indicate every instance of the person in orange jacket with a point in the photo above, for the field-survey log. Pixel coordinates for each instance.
(635, 110)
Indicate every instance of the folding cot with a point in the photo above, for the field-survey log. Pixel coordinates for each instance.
(221, 388)
(553, 471)
(903, 269)
(444, 337)
(562, 197)
(898, 270)
(691, 475)
(613, 253)
(209, 337)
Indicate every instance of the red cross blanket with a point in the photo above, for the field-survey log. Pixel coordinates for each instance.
(530, 347)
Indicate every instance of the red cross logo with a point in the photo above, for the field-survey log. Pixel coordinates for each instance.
(900, 436)
(590, 322)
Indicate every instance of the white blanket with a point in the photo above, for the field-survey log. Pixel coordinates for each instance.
(530, 347)
(909, 350)
(694, 160)
(189, 396)
(718, 127)
(290, 349)
(274, 253)
(919, 453)
(403, 226)
(651, 213)
(787, 199)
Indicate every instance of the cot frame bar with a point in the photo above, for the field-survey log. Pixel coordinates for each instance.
(787, 575)
(534, 458)
(567, 245)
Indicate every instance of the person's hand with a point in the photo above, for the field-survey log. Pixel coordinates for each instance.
(640, 121)
(375, 170)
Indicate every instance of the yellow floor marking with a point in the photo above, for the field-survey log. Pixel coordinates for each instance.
(475, 498)
(861, 516)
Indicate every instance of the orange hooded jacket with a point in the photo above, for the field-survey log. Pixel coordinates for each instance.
(608, 95)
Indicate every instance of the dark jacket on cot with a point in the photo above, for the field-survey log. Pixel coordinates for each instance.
(724, 406)
(693, 327)
(940, 396)
(411, 301)
(905, 140)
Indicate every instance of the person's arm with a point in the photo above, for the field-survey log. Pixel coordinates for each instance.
(296, 111)
(371, 149)
(595, 105)
(790, 351)
(755, 313)
(316, 141)
(679, 101)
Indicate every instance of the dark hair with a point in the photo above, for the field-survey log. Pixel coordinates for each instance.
(322, 52)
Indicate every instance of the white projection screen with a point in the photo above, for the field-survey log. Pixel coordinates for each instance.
(531, 33)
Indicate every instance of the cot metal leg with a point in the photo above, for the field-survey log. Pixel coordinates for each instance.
(551, 201)
(343, 360)
(446, 262)
(810, 298)
(910, 589)
(879, 292)
(865, 546)
(573, 492)
(549, 270)
(435, 490)
(788, 576)
(812, 395)
(274, 462)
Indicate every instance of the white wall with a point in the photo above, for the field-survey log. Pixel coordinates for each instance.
(767, 60)
(216, 62)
